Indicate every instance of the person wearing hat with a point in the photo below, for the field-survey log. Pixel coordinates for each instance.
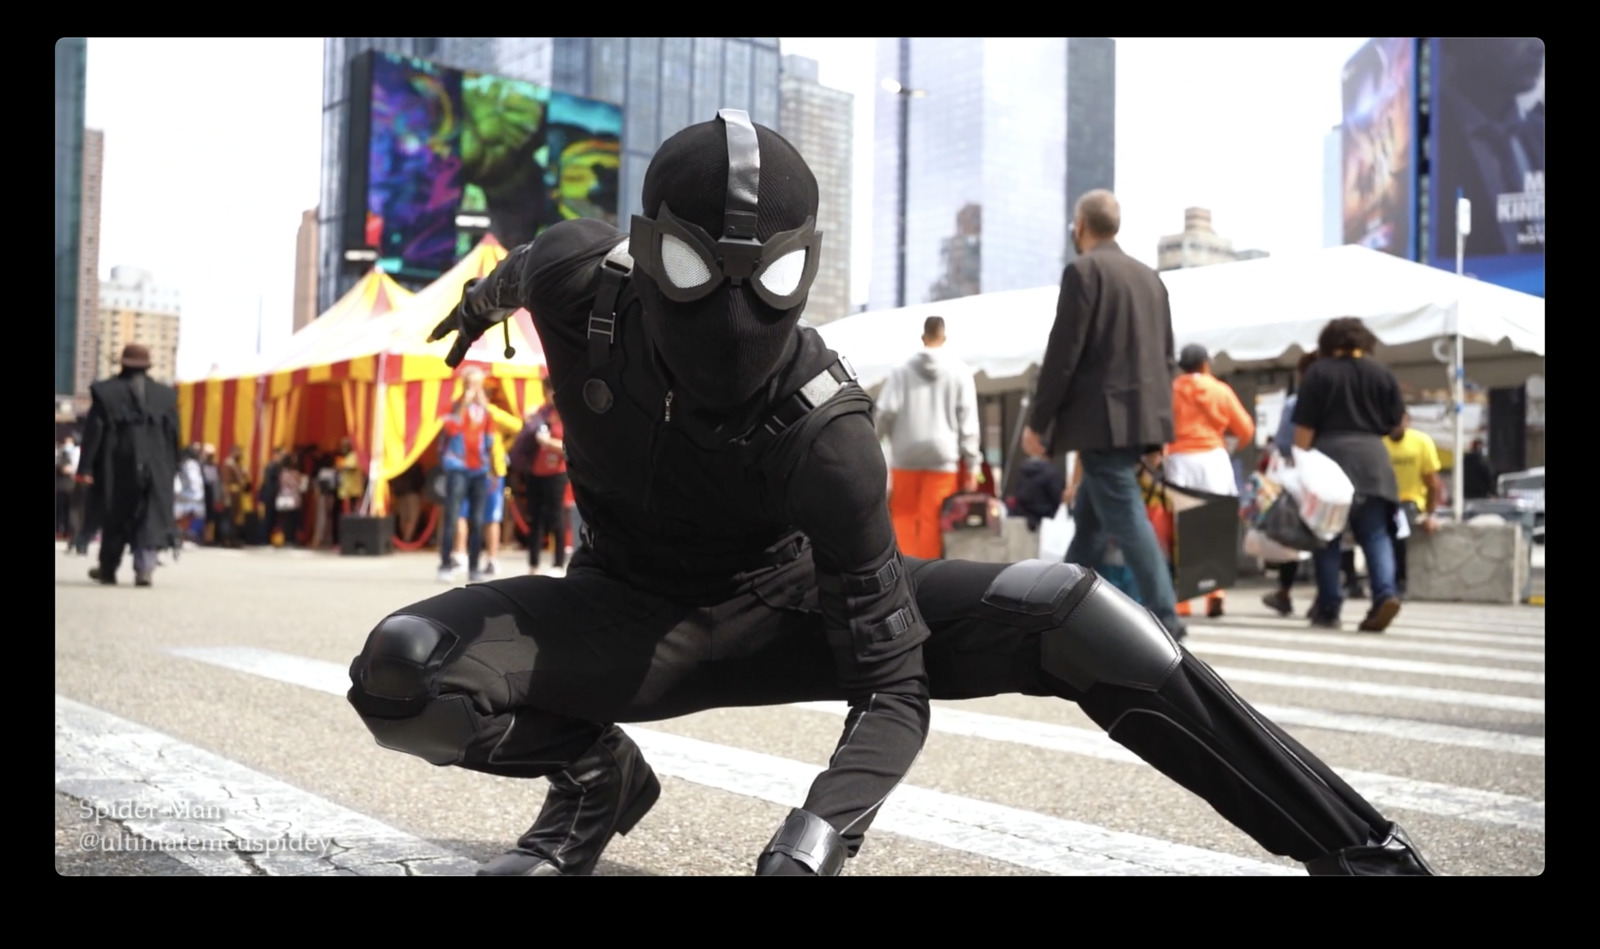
(1205, 412)
(130, 456)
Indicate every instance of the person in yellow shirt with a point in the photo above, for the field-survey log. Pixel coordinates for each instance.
(1415, 458)
(1205, 412)
(352, 480)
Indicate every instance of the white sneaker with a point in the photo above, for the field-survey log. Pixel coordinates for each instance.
(477, 576)
(491, 569)
(458, 560)
(447, 575)
(555, 571)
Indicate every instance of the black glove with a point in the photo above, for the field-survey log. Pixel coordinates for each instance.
(467, 323)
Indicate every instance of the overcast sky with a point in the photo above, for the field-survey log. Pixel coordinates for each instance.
(213, 150)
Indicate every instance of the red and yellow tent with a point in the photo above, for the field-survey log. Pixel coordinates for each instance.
(383, 376)
(365, 371)
(231, 406)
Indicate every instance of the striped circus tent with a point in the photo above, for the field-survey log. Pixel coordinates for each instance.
(382, 375)
(233, 405)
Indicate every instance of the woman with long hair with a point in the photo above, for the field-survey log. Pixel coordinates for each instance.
(1347, 405)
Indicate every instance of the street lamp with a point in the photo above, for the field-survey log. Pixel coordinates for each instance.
(906, 94)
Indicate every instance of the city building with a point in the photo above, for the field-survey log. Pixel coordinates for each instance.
(818, 121)
(1333, 188)
(88, 319)
(1198, 245)
(515, 57)
(305, 271)
(665, 84)
(1017, 129)
(136, 309)
(71, 65)
(662, 84)
(962, 258)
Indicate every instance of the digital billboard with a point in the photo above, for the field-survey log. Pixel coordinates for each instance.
(1381, 146)
(1488, 146)
(448, 155)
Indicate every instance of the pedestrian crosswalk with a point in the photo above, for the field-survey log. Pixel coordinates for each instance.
(1454, 697)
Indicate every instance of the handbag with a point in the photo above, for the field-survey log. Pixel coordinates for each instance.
(1284, 524)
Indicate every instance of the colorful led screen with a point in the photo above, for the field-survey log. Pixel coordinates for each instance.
(452, 155)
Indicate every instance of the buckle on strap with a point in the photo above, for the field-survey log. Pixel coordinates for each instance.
(614, 270)
(822, 387)
(890, 628)
(862, 586)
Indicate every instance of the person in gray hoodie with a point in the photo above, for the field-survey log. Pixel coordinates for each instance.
(928, 410)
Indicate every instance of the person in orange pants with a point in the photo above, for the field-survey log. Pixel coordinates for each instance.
(928, 411)
(916, 499)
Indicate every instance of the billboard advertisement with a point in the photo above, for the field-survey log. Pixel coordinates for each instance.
(449, 155)
(1381, 143)
(1488, 146)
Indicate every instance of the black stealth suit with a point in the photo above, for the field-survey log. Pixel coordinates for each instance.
(745, 557)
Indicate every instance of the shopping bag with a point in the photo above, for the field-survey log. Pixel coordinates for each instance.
(1322, 491)
(1284, 525)
(1205, 541)
(1258, 544)
(1055, 535)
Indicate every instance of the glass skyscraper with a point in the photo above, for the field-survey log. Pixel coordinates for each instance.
(665, 84)
(526, 58)
(1002, 137)
(71, 65)
(662, 83)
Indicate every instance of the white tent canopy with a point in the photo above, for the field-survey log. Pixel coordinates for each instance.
(1253, 314)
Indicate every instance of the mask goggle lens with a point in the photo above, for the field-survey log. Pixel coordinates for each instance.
(688, 265)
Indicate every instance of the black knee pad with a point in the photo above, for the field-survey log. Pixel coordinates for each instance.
(1094, 633)
(391, 687)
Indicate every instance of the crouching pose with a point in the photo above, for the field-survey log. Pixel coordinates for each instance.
(738, 552)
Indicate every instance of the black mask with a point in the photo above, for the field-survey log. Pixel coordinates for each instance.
(726, 257)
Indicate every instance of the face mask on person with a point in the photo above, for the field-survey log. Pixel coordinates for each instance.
(725, 256)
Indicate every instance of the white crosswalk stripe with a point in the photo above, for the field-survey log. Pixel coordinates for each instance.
(1383, 790)
(274, 828)
(254, 824)
(1002, 833)
(1381, 644)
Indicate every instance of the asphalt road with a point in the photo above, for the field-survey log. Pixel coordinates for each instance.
(201, 729)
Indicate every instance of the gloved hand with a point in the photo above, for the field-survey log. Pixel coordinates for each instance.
(467, 324)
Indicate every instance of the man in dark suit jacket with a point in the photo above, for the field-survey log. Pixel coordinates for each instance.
(129, 460)
(1105, 391)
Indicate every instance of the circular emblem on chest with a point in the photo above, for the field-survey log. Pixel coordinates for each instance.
(597, 395)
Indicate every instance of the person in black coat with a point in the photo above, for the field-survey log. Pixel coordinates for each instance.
(1105, 391)
(130, 459)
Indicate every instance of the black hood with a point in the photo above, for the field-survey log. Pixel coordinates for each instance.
(723, 348)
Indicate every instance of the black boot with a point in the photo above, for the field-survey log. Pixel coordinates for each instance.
(606, 791)
(805, 845)
(1391, 854)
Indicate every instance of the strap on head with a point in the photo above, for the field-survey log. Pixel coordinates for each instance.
(744, 176)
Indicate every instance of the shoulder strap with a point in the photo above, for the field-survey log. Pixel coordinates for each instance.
(821, 388)
(614, 273)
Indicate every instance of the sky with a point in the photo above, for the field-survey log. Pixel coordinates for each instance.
(213, 149)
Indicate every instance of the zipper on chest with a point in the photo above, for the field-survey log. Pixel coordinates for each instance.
(653, 459)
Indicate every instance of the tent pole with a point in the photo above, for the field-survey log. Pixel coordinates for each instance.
(375, 441)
